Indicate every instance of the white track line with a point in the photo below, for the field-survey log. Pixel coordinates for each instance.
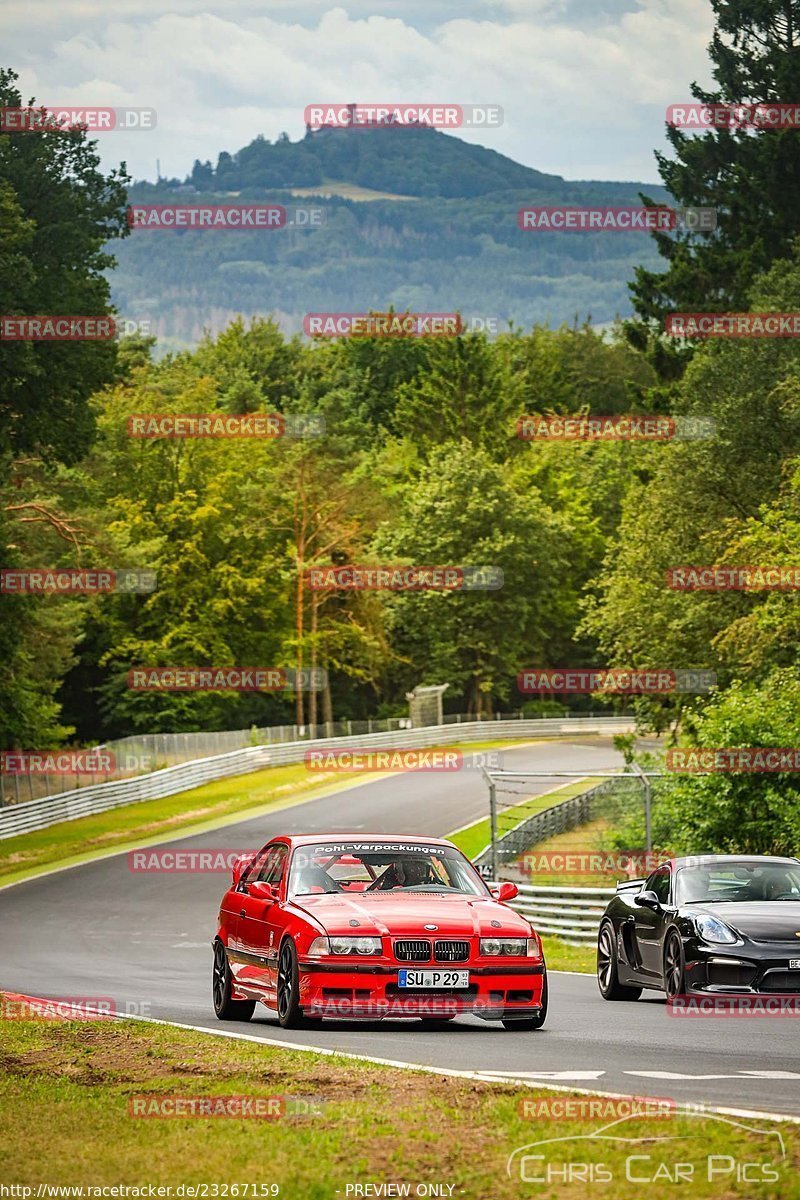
(453, 1073)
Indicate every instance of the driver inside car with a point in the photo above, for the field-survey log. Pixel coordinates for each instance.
(405, 873)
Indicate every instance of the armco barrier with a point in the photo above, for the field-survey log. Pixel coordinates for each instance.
(547, 823)
(570, 913)
(69, 806)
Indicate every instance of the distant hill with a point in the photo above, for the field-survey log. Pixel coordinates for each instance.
(451, 242)
(411, 161)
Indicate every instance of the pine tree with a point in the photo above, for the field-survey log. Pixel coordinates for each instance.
(750, 176)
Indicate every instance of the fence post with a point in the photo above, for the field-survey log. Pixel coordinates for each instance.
(493, 825)
(648, 836)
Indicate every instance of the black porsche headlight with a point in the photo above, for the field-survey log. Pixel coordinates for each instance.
(711, 929)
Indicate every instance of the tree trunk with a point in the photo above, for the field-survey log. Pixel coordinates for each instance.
(312, 694)
(299, 632)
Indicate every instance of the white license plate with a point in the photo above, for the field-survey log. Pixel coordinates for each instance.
(794, 964)
(432, 979)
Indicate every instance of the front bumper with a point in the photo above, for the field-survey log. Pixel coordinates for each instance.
(741, 970)
(371, 991)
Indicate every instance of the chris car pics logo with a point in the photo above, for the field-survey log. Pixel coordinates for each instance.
(622, 1151)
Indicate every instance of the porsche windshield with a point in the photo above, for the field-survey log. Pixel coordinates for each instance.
(381, 867)
(738, 881)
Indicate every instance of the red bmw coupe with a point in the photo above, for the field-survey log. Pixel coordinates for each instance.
(370, 925)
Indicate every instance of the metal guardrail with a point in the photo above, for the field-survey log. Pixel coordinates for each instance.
(141, 753)
(570, 913)
(548, 823)
(69, 806)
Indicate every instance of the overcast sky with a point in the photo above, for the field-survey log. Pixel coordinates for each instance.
(583, 83)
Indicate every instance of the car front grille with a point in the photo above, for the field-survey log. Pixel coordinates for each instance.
(413, 950)
(466, 993)
(451, 951)
(722, 974)
(780, 981)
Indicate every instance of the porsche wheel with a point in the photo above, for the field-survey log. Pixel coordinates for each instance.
(607, 968)
(221, 987)
(674, 966)
(535, 1022)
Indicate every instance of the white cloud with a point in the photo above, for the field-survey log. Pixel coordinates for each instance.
(583, 88)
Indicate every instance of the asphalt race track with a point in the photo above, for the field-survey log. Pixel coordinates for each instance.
(144, 939)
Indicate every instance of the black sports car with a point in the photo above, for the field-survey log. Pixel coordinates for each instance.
(722, 923)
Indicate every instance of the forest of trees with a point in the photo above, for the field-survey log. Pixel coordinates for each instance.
(420, 463)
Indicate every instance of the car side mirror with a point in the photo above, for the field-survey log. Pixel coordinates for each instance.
(504, 891)
(647, 900)
(262, 891)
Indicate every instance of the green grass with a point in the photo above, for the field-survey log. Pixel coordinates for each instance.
(211, 806)
(560, 956)
(66, 1088)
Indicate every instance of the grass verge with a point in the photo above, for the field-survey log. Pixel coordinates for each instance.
(67, 1089)
(211, 806)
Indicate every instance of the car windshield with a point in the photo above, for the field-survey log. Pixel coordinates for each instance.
(381, 867)
(740, 882)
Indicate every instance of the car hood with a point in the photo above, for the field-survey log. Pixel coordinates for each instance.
(762, 921)
(407, 915)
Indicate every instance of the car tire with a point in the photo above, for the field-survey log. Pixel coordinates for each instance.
(674, 966)
(608, 967)
(290, 1014)
(225, 1008)
(535, 1022)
